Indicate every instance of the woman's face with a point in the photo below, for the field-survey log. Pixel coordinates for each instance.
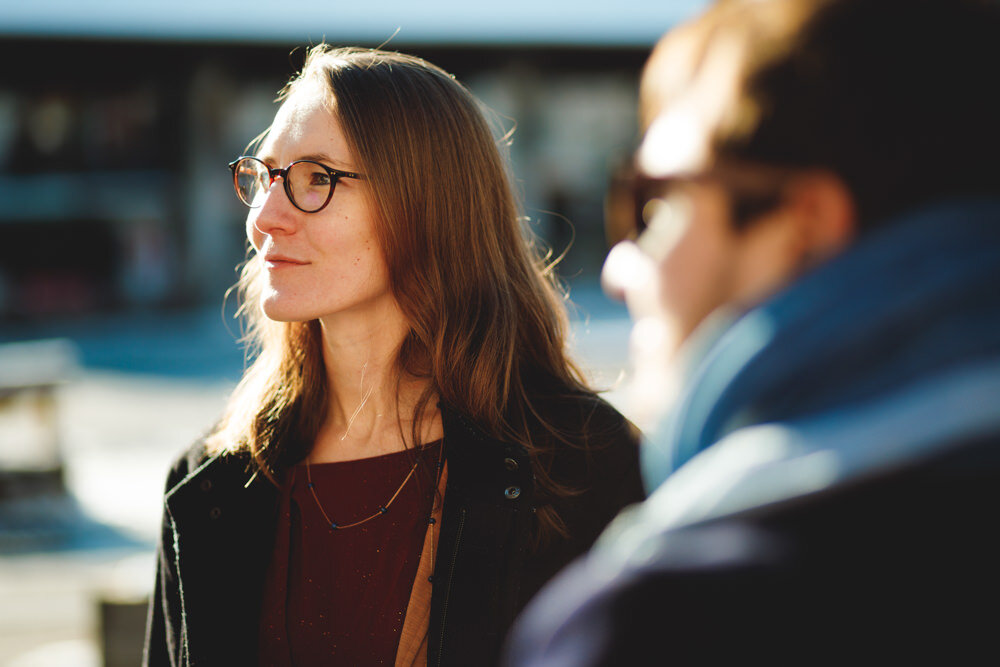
(323, 264)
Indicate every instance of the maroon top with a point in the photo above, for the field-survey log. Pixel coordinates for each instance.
(338, 597)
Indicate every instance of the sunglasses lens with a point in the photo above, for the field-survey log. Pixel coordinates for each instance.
(620, 221)
(630, 204)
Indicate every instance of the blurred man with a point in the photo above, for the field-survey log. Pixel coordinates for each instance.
(818, 275)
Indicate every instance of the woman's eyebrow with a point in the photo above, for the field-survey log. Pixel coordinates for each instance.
(268, 159)
(264, 157)
(323, 157)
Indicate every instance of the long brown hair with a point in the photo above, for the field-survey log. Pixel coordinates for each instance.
(488, 325)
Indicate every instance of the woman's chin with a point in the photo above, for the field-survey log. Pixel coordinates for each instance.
(281, 312)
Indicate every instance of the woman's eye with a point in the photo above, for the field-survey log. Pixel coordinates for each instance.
(319, 178)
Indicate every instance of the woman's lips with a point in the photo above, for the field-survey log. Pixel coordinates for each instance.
(278, 262)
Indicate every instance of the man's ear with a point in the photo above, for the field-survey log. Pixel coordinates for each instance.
(814, 221)
(823, 213)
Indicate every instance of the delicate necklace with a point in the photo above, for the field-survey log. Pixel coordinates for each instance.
(382, 508)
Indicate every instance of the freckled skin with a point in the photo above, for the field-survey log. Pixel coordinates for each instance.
(343, 268)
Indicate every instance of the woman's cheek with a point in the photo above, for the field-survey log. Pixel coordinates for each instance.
(254, 235)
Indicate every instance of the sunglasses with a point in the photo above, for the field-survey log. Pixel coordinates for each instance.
(633, 197)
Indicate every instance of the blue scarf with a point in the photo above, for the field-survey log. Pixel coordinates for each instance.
(897, 338)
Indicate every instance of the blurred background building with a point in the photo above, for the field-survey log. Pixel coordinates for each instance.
(117, 120)
(121, 233)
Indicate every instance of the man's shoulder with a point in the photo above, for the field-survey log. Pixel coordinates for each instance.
(666, 601)
(878, 509)
(905, 550)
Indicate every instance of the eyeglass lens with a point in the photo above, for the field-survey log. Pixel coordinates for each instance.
(252, 180)
(307, 184)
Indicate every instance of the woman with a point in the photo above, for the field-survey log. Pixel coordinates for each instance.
(411, 454)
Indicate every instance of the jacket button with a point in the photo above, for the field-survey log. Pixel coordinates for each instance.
(512, 492)
(206, 485)
(510, 464)
(215, 513)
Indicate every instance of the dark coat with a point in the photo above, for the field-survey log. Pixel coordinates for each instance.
(219, 529)
(897, 568)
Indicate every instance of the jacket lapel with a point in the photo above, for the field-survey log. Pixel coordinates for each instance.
(487, 502)
(223, 526)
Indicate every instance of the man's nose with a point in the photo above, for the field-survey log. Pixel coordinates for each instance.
(626, 269)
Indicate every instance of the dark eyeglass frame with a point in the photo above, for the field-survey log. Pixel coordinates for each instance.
(752, 190)
(275, 172)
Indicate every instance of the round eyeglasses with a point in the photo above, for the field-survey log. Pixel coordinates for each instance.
(309, 185)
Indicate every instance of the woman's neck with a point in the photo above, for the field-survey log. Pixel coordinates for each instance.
(370, 405)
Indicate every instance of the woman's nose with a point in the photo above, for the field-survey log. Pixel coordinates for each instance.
(275, 215)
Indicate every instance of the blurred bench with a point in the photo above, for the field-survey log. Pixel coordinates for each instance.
(32, 472)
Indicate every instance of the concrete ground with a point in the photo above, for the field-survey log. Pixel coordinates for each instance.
(150, 385)
(119, 434)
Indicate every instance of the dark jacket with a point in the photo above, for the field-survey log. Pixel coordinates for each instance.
(219, 527)
(899, 568)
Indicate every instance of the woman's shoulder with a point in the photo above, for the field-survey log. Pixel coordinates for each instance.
(586, 420)
(585, 443)
(186, 461)
(591, 472)
(192, 458)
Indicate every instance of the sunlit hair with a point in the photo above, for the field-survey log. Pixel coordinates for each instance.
(487, 321)
(845, 86)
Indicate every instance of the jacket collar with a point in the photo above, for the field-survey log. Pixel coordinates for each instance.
(858, 328)
(475, 458)
(472, 455)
